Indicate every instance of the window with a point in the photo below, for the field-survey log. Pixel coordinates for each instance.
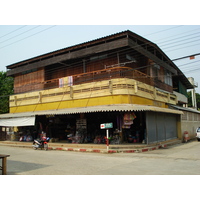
(100, 57)
(168, 77)
(155, 71)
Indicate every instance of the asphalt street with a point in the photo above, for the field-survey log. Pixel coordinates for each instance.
(181, 159)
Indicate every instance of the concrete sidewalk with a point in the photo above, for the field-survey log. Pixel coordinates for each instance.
(97, 148)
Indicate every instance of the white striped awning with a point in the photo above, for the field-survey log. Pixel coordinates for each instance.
(18, 121)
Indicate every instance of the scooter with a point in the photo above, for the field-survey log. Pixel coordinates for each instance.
(43, 144)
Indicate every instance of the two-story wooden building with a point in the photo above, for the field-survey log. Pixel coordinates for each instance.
(122, 79)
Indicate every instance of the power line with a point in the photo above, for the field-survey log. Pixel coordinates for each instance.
(13, 31)
(181, 37)
(197, 54)
(178, 34)
(28, 36)
(124, 52)
(163, 30)
(187, 39)
(112, 55)
(80, 61)
(41, 31)
(76, 65)
(192, 70)
(183, 47)
(180, 44)
(20, 34)
(189, 67)
(89, 79)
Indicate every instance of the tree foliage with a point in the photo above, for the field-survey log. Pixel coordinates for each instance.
(190, 100)
(6, 89)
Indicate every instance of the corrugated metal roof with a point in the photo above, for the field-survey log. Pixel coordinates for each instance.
(73, 47)
(115, 36)
(185, 109)
(91, 109)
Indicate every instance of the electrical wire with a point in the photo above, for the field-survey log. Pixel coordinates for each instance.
(164, 30)
(152, 33)
(77, 65)
(183, 47)
(184, 57)
(28, 36)
(138, 45)
(191, 71)
(80, 62)
(189, 63)
(21, 34)
(129, 71)
(123, 53)
(172, 36)
(179, 38)
(12, 31)
(172, 43)
(180, 44)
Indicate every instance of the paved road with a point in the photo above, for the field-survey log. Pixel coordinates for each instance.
(181, 159)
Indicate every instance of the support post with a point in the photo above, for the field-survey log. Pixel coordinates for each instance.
(107, 140)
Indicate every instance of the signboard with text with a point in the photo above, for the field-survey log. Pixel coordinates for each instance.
(106, 125)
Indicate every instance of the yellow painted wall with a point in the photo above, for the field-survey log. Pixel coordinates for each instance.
(112, 99)
(114, 91)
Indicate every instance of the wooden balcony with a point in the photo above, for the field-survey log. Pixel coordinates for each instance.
(95, 76)
(113, 91)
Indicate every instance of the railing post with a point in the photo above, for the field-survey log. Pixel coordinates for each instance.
(110, 87)
(71, 92)
(40, 97)
(135, 87)
(155, 93)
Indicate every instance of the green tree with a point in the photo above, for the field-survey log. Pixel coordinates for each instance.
(6, 89)
(198, 101)
(190, 100)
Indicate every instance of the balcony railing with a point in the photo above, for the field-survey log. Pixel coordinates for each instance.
(100, 75)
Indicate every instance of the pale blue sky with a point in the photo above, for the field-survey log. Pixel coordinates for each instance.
(167, 30)
(20, 42)
(30, 41)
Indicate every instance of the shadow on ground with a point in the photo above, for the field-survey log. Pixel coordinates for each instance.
(18, 167)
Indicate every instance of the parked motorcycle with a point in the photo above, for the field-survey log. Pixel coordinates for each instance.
(43, 143)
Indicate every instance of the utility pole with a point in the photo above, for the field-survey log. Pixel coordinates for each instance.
(190, 56)
(191, 79)
(193, 92)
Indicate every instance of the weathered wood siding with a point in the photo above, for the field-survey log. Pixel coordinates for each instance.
(29, 82)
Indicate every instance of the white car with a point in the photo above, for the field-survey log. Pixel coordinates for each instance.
(198, 134)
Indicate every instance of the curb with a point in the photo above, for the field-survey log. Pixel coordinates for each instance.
(110, 151)
(138, 150)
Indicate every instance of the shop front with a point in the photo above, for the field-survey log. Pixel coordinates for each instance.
(131, 123)
(127, 127)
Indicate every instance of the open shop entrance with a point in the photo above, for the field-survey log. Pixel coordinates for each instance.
(128, 127)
